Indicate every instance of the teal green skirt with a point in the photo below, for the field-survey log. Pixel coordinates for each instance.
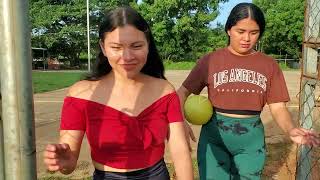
(231, 148)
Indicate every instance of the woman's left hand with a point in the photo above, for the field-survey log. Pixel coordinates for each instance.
(304, 136)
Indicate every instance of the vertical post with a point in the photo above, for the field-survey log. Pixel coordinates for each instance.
(16, 90)
(307, 101)
(43, 60)
(307, 97)
(285, 60)
(1, 139)
(312, 19)
(88, 35)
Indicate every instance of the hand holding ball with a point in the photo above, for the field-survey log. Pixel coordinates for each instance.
(198, 109)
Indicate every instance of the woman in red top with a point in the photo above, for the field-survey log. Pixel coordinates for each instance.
(126, 108)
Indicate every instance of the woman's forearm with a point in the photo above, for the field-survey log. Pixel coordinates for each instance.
(282, 116)
(72, 140)
(183, 93)
(179, 152)
(183, 164)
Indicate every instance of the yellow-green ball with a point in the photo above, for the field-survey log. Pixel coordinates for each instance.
(198, 109)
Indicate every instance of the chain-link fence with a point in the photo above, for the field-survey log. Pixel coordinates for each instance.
(308, 158)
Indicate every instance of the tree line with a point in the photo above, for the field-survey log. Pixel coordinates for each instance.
(181, 29)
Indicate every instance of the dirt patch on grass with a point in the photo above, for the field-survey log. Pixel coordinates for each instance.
(281, 161)
(316, 163)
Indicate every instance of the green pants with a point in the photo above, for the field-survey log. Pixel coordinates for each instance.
(231, 148)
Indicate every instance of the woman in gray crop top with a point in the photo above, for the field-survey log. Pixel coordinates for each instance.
(240, 82)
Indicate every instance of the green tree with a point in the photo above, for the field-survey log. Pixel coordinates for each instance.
(284, 28)
(265, 4)
(181, 28)
(218, 38)
(61, 25)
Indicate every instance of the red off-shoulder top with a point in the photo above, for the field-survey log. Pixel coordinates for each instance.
(117, 139)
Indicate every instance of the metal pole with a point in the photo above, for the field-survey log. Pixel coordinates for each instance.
(43, 60)
(88, 35)
(1, 140)
(16, 90)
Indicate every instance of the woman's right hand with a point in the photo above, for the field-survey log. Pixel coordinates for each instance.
(189, 134)
(58, 157)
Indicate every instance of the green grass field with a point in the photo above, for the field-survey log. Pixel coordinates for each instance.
(49, 81)
(44, 81)
(169, 65)
(53, 80)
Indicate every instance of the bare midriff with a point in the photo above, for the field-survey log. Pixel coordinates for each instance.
(236, 115)
(102, 167)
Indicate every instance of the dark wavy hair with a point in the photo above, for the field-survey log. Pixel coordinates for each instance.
(243, 11)
(120, 17)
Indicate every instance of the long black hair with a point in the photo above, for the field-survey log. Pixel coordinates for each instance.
(243, 11)
(120, 17)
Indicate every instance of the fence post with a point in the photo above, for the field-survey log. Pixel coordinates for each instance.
(308, 83)
(285, 60)
(16, 90)
(1, 141)
(307, 102)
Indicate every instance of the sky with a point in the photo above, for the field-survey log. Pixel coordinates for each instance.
(224, 10)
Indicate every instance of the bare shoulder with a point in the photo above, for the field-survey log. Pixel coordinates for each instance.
(82, 89)
(164, 85)
(168, 87)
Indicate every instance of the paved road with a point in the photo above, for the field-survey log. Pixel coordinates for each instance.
(48, 105)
